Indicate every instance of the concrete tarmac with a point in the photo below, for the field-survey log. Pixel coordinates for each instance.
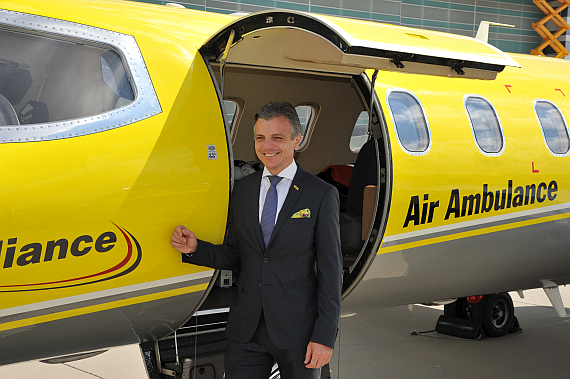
(376, 343)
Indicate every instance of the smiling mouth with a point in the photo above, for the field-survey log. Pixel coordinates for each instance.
(270, 154)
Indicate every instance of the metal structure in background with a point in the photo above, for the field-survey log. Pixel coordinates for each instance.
(549, 38)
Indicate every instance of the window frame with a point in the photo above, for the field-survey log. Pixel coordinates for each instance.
(542, 127)
(310, 124)
(240, 106)
(368, 135)
(430, 140)
(144, 105)
(503, 139)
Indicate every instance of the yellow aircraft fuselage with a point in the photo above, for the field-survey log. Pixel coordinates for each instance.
(88, 203)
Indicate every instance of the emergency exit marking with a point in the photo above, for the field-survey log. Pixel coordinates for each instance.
(212, 154)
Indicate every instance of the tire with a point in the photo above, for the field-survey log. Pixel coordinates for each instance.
(495, 313)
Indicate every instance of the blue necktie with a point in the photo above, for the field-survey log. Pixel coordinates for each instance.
(269, 209)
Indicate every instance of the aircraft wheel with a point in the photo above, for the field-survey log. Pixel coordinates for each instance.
(496, 313)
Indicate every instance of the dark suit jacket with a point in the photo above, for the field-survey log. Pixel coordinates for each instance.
(297, 279)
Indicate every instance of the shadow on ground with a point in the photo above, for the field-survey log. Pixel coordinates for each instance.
(376, 343)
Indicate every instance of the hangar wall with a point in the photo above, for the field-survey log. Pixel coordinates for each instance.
(455, 16)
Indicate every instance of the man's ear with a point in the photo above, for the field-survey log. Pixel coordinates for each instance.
(298, 141)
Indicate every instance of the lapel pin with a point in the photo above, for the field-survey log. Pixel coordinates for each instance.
(295, 186)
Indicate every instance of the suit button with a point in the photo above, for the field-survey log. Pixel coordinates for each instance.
(260, 284)
(265, 260)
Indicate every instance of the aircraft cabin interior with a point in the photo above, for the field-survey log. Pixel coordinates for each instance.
(338, 144)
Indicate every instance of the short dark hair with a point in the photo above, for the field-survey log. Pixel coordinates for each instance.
(280, 109)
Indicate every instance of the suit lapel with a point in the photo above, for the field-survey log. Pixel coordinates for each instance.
(295, 191)
(254, 207)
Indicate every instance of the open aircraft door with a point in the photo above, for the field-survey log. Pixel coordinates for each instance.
(246, 53)
(310, 42)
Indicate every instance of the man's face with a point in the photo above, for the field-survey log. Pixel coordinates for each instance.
(273, 143)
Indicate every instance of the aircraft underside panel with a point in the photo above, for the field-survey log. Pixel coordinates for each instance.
(503, 258)
(96, 330)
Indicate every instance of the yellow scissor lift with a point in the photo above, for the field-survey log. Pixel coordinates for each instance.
(549, 38)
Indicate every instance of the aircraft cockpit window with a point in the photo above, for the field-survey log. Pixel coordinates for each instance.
(60, 79)
(116, 78)
(360, 132)
(410, 121)
(485, 125)
(554, 127)
(47, 79)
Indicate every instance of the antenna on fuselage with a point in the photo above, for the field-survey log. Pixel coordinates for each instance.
(483, 31)
(175, 5)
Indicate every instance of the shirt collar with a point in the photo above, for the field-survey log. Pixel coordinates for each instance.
(288, 173)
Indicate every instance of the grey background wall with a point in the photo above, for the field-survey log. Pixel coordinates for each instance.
(456, 16)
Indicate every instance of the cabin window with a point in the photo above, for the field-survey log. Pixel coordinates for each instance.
(485, 125)
(46, 79)
(360, 132)
(410, 121)
(307, 114)
(554, 128)
(230, 110)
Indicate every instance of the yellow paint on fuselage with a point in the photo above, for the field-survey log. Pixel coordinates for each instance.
(460, 235)
(100, 307)
(455, 162)
(402, 38)
(146, 177)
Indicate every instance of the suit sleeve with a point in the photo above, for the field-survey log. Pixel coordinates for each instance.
(329, 270)
(220, 257)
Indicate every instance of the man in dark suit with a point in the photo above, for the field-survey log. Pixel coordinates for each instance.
(283, 238)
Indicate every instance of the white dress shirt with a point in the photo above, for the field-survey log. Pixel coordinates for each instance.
(282, 187)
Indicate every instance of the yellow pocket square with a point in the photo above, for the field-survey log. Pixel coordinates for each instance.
(303, 213)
